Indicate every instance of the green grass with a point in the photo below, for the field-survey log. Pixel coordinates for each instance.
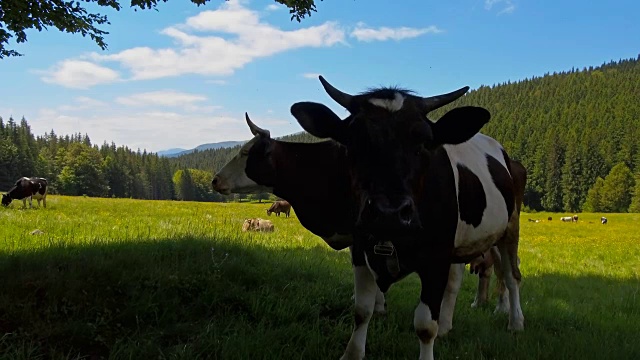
(131, 279)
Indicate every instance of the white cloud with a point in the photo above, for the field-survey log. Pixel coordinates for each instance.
(79, 74)
(212, 54)
(311, 75)
(507, 6)
(215, 43)
(364, 33)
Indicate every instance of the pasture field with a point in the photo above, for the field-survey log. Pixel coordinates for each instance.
(133, 279)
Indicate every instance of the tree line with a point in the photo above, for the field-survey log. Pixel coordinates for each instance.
(575, 131)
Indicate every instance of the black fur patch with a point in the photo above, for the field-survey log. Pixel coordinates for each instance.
(471, 198)
(503, 181)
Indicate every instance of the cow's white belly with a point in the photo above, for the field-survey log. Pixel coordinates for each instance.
(471, 241)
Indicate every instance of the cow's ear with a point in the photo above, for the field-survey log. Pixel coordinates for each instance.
(459, 125)
(318, 120)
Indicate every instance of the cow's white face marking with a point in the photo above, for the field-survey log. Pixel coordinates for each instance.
(392, 105)
(233, 178)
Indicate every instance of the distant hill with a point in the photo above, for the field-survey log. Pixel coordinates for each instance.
(178, 152)
(170, 152)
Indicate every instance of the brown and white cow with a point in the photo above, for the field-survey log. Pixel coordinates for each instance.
(427, 194)
(278, 207)
(325, 211)
(27, 189)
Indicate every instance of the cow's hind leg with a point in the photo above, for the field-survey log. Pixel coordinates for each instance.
(482, 294)
(445, 320)
(434, 281)
(365, 295)
(508, 246)
(502, 306)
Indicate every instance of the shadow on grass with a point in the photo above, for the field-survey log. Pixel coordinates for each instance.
(193, 298)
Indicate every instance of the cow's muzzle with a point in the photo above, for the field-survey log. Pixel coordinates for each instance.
(379, 212)
(218, 184)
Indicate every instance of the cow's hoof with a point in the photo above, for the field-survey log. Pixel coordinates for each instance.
(516, 326)
(351, 356)
(502, 308)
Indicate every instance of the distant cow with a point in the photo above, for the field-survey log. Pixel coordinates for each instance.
(566, 218)
(27, 188)
(278, 207)
(549, 218)
(257, 225)
(603, 220)
(574, 218)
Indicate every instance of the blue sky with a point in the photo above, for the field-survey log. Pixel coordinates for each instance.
(185, 75)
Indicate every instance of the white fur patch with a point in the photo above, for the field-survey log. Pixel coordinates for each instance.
(472, 154)
(392, 105)
(233, 178)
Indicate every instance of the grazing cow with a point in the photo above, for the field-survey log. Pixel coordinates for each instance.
(278, 207)
(427, 194)
(574, 218)
(566, 218)
(603, 220)
(27, 188)
(325, 211)
(257, 224)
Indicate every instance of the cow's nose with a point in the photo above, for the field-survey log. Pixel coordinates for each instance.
(405, 211)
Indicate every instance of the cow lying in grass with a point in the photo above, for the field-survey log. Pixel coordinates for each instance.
(257, 224)
(312, 178)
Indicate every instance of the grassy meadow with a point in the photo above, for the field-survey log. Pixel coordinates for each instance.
(133, 279)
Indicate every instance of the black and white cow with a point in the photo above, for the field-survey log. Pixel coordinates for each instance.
(428, 194)
(290, 170)
(603, 220)
(27, 188)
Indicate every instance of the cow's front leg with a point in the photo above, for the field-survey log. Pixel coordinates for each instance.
(434, 281)
(365, 296)
(454, 282)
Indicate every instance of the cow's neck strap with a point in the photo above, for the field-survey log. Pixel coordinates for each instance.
(386, 249)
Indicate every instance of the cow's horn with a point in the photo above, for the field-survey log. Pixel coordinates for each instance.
(338, 96)
(433, 102)
(255, 130)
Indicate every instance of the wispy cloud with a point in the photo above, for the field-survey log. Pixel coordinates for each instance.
(168, 98)
(274, 7)
(82, 103)
(507, 6)
(79, 74)
(364, 33)
(311, 75)
(217, 82)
